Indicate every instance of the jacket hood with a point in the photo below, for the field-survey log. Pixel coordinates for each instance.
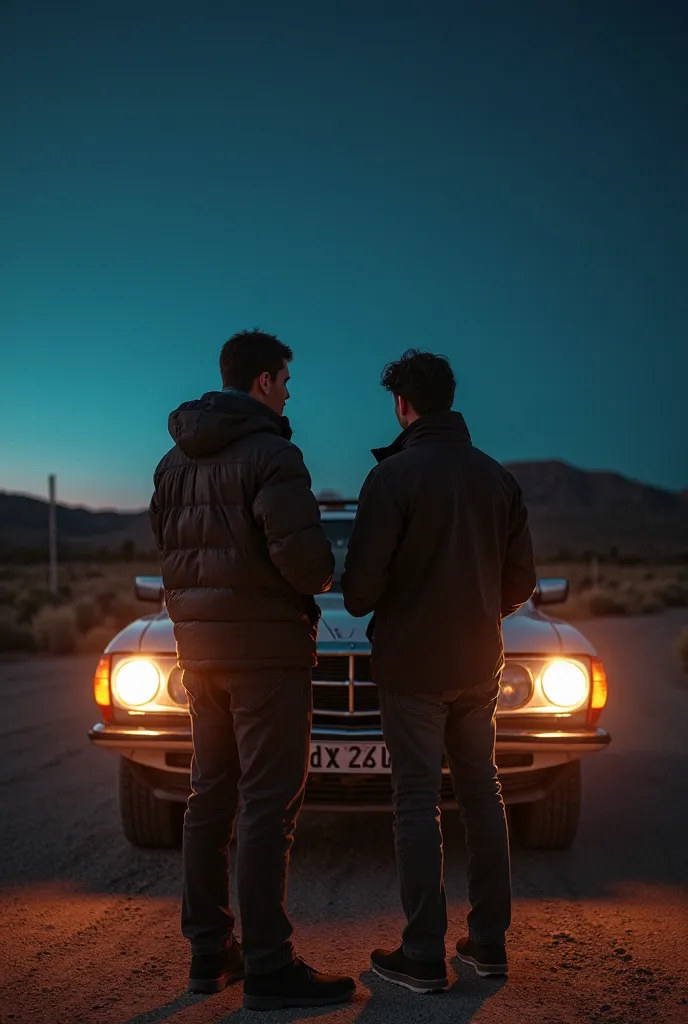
(218, 418)
(432, 428)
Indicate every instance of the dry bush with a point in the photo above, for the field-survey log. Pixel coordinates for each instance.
(55, 629)
(104, 598)
(604, 601)
(682, 648)
(673, 593)
(96, 640)
(31, 600)
(125, 608)
(14, 637)
(88, 614)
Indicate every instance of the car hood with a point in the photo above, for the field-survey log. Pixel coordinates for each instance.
(526, 632)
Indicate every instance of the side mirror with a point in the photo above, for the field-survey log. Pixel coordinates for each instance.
(149, 588)
(554, 590)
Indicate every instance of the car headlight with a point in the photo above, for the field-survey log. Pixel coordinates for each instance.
(175, 687)
(565, 684)
(516, 687)
(136, 682)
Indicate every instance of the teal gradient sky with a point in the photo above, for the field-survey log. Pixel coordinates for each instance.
(501, 182)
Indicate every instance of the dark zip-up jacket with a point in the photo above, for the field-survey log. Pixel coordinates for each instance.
(440, 552)
(241, 544)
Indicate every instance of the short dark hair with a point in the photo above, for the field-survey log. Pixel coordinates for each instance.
(425, 380)
(247, 354)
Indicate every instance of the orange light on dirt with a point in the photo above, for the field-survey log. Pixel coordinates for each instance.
(101, 683)
(598, 697)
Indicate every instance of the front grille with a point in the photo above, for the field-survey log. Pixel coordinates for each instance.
(334, 668)
(336, 698)
(333, 700)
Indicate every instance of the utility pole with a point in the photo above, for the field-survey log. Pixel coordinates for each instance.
(52, 535)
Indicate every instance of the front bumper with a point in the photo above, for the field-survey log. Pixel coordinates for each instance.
(573, 741)
(529, 762)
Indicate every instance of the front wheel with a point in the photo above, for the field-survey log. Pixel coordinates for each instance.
(147, 822)
(551, 823)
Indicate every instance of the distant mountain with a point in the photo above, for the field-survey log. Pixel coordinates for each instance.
(24, 526)
(572, 511)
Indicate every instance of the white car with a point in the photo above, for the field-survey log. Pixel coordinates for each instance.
(553, 691)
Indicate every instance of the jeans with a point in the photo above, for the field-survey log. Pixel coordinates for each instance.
(251, 738)
(418, 729)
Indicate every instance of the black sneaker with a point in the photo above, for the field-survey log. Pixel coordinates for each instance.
(297, 984)
(213, 972)
(419, 975)
(486, 960)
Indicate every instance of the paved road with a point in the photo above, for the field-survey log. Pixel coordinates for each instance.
(89, 926)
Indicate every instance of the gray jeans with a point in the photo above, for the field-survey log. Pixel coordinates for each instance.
(251, 738)
(418, 729)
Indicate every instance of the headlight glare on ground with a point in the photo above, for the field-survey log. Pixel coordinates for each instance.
(136, 682)
(565, 684)
(516, 687)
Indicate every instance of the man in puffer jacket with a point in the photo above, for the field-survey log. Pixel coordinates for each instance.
(243, 552)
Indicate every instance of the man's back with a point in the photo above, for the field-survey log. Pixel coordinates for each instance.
(440, 551)
(240, 538)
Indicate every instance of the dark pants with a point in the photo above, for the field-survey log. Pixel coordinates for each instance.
(418, 729)
(251, 746)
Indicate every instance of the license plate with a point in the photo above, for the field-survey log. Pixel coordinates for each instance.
(350, 758)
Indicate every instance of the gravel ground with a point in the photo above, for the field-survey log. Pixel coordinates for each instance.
(89, 926)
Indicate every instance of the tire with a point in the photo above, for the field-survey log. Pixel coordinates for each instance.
(551, 823)
(147, 822)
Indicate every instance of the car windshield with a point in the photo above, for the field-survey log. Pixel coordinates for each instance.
(338, 532)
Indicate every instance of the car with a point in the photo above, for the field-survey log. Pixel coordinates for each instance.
(552, 693)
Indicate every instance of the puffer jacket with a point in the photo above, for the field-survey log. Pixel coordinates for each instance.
(241, 544)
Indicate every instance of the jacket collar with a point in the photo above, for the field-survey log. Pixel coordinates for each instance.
(433, 428)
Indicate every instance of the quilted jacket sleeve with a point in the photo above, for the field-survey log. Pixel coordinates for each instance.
(286, 510)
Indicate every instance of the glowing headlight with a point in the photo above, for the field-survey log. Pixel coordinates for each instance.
(136, 682)
(516, 687)
(175, 687)
(565, 684)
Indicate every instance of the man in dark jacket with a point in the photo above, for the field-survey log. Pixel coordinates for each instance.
(243, 552)
(440, 551)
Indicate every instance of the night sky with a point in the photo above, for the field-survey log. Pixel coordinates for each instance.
(504, 183)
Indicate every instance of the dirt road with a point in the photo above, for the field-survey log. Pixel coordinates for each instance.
(89, 926)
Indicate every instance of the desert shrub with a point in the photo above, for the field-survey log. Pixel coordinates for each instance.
(88, 614)
(32, 600)
(55, 629)
(124, 609)
(95, 640)
(648, 604)
(673, 594)
(682, 648)
(105, 599)
(604, 602)
(14, 637)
